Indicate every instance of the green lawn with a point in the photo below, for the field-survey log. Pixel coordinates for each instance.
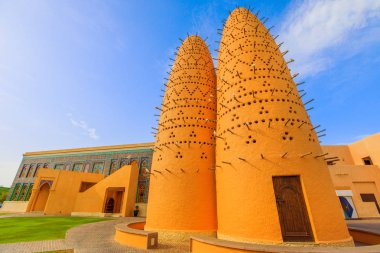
(25, 229)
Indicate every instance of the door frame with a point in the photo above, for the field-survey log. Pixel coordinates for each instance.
(306, 211)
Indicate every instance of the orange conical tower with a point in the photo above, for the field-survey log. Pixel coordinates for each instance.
(273, 184)
(182, 188)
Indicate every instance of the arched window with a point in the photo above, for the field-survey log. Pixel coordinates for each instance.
(30, 171)
(24, 188)
(113, 166)
(16, 191)
(23, 170)
(37, 169)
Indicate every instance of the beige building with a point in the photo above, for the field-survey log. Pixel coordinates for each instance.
(355, 172)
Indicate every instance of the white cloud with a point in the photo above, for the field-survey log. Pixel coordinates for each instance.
(91, 132)
(318, 32)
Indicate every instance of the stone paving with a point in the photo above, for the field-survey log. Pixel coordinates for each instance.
(90, 238)
(38, 246)
(98, 237)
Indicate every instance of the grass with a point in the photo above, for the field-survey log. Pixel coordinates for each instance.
(26, 229)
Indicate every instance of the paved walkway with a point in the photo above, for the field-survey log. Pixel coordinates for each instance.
(30, 247)
(98, 238)
(90, 238)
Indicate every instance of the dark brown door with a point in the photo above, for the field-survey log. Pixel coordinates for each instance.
(294, 220)
(110, 205)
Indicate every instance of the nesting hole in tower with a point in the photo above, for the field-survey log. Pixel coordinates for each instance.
(234, 117)
(203, 156)
(262, 111)
(286, 136)
(250, 140)
(193, 134)
(226, 146)
(179, 155)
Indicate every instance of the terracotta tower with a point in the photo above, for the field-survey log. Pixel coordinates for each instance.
(182, 187)
(273, 184)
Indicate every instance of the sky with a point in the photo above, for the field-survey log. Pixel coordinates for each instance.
(89, 73)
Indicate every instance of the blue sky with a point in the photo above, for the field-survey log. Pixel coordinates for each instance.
(89, 73)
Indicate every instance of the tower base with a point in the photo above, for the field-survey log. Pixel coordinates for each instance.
(179, 235)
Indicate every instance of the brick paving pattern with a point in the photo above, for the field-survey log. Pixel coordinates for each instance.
(38, 246)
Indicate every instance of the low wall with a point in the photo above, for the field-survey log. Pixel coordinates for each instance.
(133, 235)
(14, 207)
(214, 245)
(367, 237)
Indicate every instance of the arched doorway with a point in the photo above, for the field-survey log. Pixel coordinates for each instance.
(110, 205)
(42, 198)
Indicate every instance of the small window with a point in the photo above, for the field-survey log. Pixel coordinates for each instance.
(367, 161)
(85, 185)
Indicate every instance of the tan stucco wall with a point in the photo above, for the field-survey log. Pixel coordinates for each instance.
(350, 173)
(359, 179)
(341, 151)
(14, 207)
(369, 146)
(93, 199)
(63, 191)
(65, 197)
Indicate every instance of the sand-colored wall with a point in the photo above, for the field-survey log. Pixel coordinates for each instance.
(262, 131)
(359, 179)
(182, 183)
(63, 191)
(64, 196)
(341, 151)
(369, 146)
(350, 173)
(14, 207)
(93, 199)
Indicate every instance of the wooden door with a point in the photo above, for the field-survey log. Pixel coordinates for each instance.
(118, 202)
(294, 219)
(110, 205)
